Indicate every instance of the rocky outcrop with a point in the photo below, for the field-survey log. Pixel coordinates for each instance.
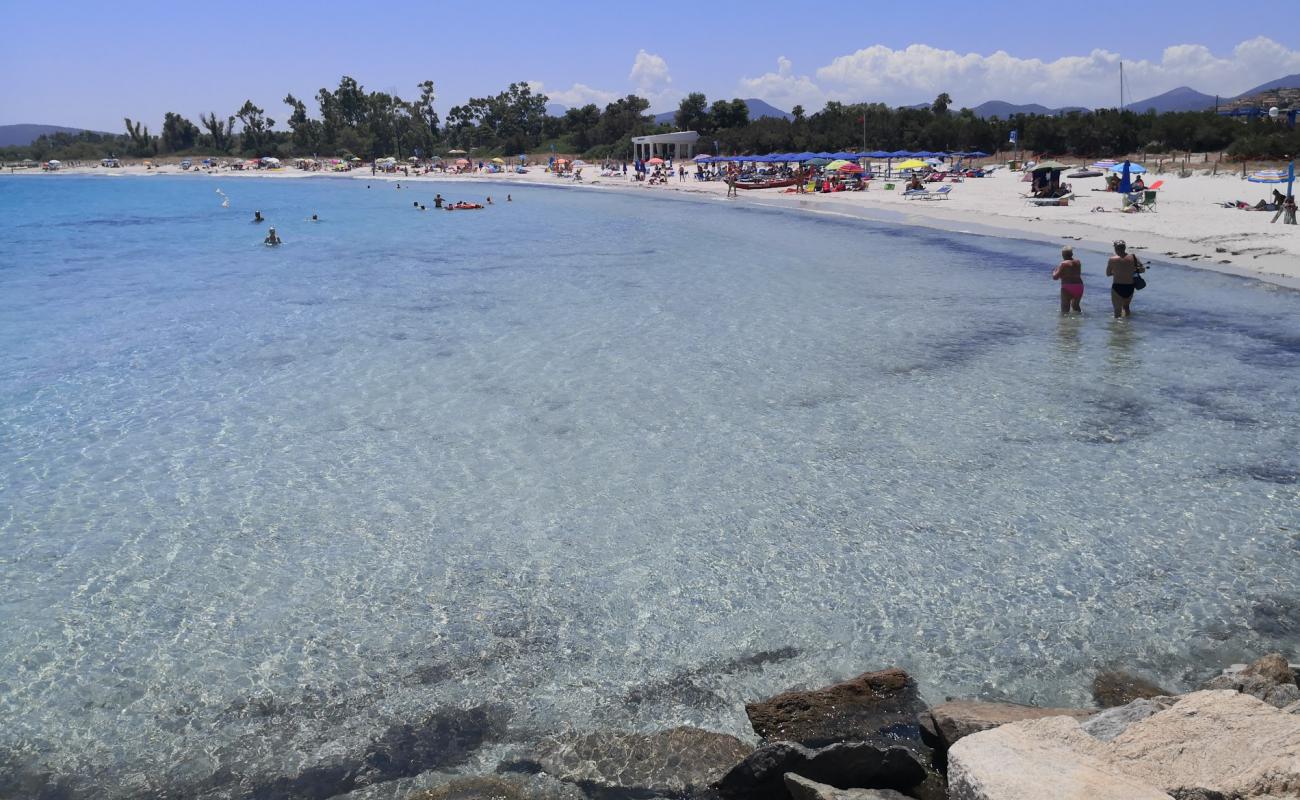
(947, 723)
(1208, 743)
(1270, 679)
(680, 761)
(1112, 688)
(1113, 721)
(1036, 759)
(800, 788)
(761, 776)
(853, 710)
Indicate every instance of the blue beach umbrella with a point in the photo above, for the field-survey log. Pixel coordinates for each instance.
(1268, 176)
(1129, 167)
(1125, 184)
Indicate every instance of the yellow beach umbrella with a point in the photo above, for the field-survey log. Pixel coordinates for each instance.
(912, 163)
(498, 161)
(837, 163)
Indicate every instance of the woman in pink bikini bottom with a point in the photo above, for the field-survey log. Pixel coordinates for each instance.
(1070, 273)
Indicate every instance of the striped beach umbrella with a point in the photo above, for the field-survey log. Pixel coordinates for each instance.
(1267, 176)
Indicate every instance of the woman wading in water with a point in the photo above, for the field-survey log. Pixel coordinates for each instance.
(1070, 273)
(1124, 268)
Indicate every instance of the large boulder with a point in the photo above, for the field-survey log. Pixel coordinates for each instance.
(1208, 743)
(1040, 758)
(1111, 688)
(1114, 721)
(866, 765)
(801, 788)
(680, 761)
(947, 723)
(854, 710)
(1221, 741)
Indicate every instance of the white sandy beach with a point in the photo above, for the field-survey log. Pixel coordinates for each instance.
(1187, 227)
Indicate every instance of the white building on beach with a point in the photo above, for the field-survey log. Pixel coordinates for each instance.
(678, 145)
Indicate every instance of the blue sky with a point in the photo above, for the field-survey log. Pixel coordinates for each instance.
(90, 64)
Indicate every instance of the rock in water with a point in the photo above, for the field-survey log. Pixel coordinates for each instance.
(948, 723)
(1274, 667)
(853, 710)
(677, 761)
(1114, 721)
(1113, 688)
(761, 776)
(801, 788)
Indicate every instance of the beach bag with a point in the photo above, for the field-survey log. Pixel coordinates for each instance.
(1139, 283)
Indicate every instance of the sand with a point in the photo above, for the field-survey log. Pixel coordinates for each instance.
(1187, 226)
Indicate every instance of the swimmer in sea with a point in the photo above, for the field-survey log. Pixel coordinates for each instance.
(437, 201)
(489, 202)
(1070, 273)
(315, 218)
(257, 217)
(1122, 267)
(509, 199)
(272, 238)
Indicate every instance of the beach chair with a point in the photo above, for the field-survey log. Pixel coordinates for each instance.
(1148, 201)
(939, 194)
(916, 194)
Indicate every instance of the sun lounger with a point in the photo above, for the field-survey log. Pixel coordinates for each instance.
(938, 194)
(916, 194)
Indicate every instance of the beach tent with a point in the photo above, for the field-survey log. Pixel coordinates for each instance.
(901, 154)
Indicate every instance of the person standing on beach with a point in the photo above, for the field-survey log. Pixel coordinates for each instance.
(1070, 273)
(1123, 268)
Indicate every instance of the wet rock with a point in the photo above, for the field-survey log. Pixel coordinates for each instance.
(677, 761)
(947, 723)
(800, 788)
(853, 710)
(1276, 616)
(1035, 759)
(496, 787)
(1248, 680)
(1114, 721)
(1274, 667)
(867, 765)
(1111, 688)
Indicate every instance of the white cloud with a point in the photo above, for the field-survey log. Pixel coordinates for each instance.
(919, 72)
(579, 94)
(784, 89)
(649, 73)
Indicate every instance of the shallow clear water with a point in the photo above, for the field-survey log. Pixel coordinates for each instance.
(597, 460)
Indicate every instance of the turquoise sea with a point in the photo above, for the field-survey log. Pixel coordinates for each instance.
(589, 460)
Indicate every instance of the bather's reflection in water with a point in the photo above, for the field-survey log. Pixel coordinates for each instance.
(1123, 352)
(1068, 343)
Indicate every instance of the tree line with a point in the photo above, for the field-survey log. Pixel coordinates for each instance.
(350, 121)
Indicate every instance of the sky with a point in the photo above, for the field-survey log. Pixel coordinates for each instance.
(86, 64)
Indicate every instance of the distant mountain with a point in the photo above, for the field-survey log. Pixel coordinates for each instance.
(1289, 82)
(25, 134)
(1003, 109)
(757, 110)
(1184, 98)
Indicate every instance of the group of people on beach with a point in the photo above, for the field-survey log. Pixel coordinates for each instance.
(1124, 269)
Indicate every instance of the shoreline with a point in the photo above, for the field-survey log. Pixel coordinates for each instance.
(1223, 244)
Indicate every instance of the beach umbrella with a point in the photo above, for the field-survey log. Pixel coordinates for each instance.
(912, 163)
(455, 152)
(1044, 166)
(819, 161)
(1133, 169)
(838, 163)
(850, 167)
(844, 156)
(498, 160)
(977, 154)
(1125, 169)
(702, 157)
(1268, 176)
(900, 154)
(656, 161)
